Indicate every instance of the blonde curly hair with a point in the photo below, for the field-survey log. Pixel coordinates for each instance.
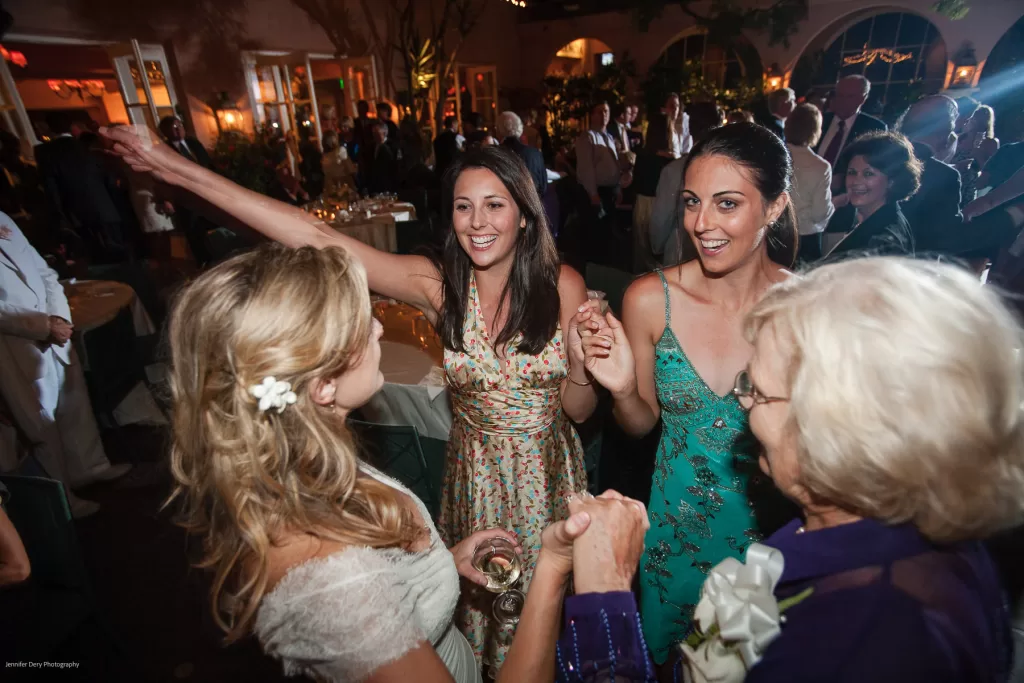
(246, 478)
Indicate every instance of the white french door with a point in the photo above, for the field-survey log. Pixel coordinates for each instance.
(360, 82)
(144, 78)
(281, 91)
(482, 82)
(12, 111)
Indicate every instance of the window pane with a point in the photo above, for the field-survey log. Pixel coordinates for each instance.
(858, 35)
(877, 71)
(265, 74)
(884, 32)
(912, 30)
(903, 71)
(695, 47)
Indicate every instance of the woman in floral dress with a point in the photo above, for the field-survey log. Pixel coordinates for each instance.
(675, 357)
(499, 300)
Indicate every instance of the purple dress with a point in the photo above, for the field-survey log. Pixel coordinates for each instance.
(888, 606)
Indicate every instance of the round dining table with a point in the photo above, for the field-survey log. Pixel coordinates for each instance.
(411, 360)
(95, 303)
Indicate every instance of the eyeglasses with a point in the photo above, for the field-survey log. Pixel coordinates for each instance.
(748, 395)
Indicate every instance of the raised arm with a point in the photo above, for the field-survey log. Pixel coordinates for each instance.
(412, 279)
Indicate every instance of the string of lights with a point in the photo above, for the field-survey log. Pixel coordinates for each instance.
(868, 56)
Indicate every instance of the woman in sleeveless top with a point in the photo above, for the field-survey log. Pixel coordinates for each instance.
(336, 568)
(675, 357)
(500, 302)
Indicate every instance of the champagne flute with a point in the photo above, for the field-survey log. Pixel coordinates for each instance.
(497, 559)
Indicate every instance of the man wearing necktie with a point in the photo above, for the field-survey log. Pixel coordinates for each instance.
(845, 123)
(192, 224)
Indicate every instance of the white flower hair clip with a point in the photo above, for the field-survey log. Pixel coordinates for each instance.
(273, 394)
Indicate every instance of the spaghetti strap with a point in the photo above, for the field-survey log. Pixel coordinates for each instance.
(668, 304)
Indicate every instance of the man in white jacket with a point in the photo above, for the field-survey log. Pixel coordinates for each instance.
(41, 381)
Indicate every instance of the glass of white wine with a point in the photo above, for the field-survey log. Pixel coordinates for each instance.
(498, 560)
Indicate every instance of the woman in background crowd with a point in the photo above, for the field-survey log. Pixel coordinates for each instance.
(879, 171)
(812, 180)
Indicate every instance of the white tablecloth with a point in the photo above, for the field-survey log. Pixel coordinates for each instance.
(378, 232)
(413, 392)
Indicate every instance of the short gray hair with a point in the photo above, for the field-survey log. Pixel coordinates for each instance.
(509, 125)
(930, 116)
(865, 84)
(906, 390)
(777, 97)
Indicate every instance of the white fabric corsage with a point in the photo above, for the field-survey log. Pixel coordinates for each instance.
(273, 394)
(737, 617)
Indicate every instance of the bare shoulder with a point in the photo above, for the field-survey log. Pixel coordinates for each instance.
(645, 295)
(569, 279)
(572, 290)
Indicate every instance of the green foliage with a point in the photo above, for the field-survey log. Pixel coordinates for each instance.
(689, 83)
(569, 98)
(422, 69)
(952, 9)
(725, 20)
(248, 161)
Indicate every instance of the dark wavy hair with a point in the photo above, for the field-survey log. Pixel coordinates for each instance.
(893, 155)
(766, 157)
(531, 292)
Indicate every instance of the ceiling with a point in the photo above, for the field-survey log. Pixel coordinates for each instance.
(81, 62)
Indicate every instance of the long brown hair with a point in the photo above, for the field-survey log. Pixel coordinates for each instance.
(531, 291)
(245, 478)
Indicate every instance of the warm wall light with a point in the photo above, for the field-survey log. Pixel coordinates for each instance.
(229, 116)
(67, 88)
(963, 76)
(14, 57)
(772, 78)
(965, 66)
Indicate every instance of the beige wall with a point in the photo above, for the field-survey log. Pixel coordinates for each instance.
(986, 22)
(521, 51)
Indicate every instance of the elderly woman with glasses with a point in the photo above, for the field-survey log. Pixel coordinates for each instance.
(887, 396)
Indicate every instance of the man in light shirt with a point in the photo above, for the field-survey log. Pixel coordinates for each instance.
(597, 160)
(846, 122)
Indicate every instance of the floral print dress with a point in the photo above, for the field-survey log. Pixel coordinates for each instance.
(700, 511)
(513, 459)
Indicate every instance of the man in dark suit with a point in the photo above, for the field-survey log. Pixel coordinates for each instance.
(384, 114)
(80, 192)
(934, 211)
(383, 173)
(777, 107)
(846, 122)
(446, 146)
(195, 226)
(510, 130)
(618, 127)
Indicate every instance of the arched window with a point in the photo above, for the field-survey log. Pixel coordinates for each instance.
(902, 55)
(719, 66)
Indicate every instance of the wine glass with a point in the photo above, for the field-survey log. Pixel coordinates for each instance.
(497, 559)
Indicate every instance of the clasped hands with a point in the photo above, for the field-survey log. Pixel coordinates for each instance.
(599, 342)
(600, 543)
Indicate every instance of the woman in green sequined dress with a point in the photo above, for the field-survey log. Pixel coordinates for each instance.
(675, 357)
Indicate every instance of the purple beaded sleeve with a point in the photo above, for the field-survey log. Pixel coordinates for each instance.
(603, 641)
